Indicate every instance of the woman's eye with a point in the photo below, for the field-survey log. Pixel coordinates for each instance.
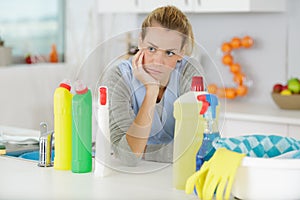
(151, 49)
(170, 53)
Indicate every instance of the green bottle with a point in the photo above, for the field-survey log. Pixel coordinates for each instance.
(81, 129)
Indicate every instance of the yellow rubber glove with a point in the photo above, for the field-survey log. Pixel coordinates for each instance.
(196, 180)
(215, 175)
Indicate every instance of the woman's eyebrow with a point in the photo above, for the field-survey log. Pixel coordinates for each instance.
(159, 48)
(153, 44)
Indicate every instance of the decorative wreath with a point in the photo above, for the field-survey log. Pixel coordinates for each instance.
(235, 68)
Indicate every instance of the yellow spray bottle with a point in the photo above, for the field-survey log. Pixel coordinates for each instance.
(63, 126)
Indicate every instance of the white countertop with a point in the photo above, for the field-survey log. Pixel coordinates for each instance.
(260, 113)
(23, 179)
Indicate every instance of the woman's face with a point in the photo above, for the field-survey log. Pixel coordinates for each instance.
(163, 48)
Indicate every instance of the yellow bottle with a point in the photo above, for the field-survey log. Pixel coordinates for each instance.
(63, 126)
(188, 137)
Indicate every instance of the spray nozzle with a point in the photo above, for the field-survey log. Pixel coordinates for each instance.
(103, 95)
(209, 103)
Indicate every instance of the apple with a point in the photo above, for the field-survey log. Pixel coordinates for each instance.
(28, 59)
(294, 85)
(277, 88)
(286, 92)
(284, 87)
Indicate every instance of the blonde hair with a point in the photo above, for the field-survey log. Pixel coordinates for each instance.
(171, 18)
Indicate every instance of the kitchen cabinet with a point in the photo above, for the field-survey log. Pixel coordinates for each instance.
(117, 6)
(246, 118)
(192, 6)
(234, 128)
(149, 5)
(294, 131)
(239, 6)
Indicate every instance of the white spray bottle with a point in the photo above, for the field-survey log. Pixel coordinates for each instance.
(103, 145)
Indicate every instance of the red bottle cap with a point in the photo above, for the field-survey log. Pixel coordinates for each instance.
(197, 84)
(66, 84)
(80, 87)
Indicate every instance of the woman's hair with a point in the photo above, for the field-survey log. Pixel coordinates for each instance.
(171, 18)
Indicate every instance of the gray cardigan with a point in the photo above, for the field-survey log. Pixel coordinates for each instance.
(122, 115)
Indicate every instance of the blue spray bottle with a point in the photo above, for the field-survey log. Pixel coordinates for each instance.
(211, 130)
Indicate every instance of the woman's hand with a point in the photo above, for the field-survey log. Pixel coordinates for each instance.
(139, 72)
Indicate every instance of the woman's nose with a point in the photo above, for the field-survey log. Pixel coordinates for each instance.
(158, 57)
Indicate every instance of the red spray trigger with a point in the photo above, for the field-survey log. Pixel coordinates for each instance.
(103, 95)
(205, 104)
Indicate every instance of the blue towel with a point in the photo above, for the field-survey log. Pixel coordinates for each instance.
(297, 155)
(262, 146)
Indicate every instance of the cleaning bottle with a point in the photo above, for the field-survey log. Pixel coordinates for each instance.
(188, 133)
(103, 145)
(63, 126)
(81, 129)
(211, 130)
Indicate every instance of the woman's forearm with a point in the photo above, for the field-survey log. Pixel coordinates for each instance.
(138, 133)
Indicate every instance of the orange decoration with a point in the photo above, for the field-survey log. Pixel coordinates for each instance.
(236, 43)
(226, 47)
(238, 78)
(247, 42)
(241, 90)
(230, 93)
(221, 93)
(235, 68)
(227, 59)
(212, 88)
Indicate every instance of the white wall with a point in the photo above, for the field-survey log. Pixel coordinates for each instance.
(264, 63)
(293, 38)
(27, 91)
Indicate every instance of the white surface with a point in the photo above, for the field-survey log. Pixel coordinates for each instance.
(15, 131)
(27, 93)
(25, 180)
(266, 178)
(138, 6)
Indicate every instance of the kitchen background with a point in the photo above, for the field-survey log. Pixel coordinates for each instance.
(27, 91)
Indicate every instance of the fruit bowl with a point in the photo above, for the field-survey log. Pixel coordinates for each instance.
(289, 102)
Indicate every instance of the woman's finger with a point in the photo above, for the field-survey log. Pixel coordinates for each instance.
(135, 59)
(140, 59)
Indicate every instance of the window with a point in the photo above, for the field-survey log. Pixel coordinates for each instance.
(32, 26)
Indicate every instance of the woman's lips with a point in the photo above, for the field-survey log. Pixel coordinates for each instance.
(153, 71)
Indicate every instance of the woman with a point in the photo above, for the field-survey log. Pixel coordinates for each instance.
(142, 90)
